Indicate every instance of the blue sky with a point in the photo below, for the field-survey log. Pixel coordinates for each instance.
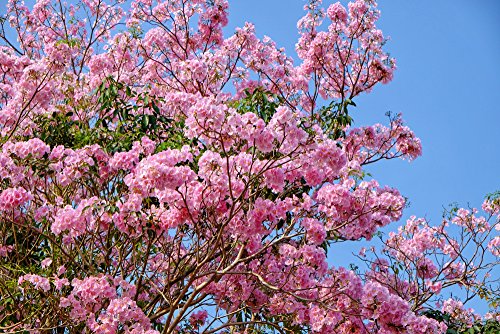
(447, 86)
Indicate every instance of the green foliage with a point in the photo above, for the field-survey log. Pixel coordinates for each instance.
(259, 102)
(494, 197)
(58, 129)
(124, 116)
(335, 118)
(72, 42)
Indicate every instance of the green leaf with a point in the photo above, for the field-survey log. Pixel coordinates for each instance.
(350, 102)
(145, 122)
(155, 108)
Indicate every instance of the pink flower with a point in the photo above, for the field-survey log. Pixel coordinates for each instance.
(198, 318)
(435, 287)
(46, 262)
(39, 282)
(12, 198)
(494, 246)
(337, 12)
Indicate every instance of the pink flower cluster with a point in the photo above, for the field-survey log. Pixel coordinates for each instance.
(369, 144)
(14, 198)
(393, 314)
(5, 250)
(121, 313)
(456, 309)
(38, 282)
(329, 56)
(76, 221)
(357, 213)
(198, 318)
(34, 147)
(494, 246)
(88, 295)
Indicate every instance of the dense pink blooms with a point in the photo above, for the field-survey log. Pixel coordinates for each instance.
(34, 147)
(13, 198)
(198, 318)
(121, 311)
(159, 176)
(76, 221)
(88, 296)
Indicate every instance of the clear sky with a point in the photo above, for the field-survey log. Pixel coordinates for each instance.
(447, 86)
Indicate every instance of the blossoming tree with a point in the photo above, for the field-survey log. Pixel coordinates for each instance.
(157, 177)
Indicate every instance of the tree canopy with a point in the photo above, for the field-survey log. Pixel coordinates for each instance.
(159, 177)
